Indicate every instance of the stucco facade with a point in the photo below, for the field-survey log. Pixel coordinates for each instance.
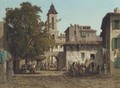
(92, 52)
(82, 44)
(111, 31)
(81, 33)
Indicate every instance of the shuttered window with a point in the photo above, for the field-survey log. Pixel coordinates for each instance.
(115, 43)
(82, 55)
(116, 24)
(83, 34)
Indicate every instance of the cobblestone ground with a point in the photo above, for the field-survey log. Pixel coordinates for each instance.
(60, 81)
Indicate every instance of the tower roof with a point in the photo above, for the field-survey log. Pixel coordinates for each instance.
(52, 10)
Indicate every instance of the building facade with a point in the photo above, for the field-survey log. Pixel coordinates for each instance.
(82, 45)
(111, 40)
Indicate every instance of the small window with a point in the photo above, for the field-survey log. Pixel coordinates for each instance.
(88, 27)
(84, 27)
(115, 43)
(52, 22)
(83, 34)
(92, 56)
(82, 55)
(53, 37)
(116, 24)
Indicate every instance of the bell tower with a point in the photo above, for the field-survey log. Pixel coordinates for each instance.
(52, 22)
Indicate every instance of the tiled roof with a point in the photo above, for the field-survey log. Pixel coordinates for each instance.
(88, 30)
(52, 10)
(84, 43)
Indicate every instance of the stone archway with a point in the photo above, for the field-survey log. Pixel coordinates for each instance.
(57, 61)
(50, 62)
(53, 63)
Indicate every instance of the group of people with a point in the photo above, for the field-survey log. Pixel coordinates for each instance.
(47, 66)
(6, 65)
(28, 67)
(44, 66)
(77, 69)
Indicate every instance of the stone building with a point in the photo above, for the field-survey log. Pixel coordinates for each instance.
(111, 40)
(56, 55)
(82, 44)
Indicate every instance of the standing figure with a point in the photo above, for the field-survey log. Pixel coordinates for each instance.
(73, 69)
(3, 55)
(98, 70)
(105, 69)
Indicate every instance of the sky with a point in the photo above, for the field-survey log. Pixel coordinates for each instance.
(82, 12)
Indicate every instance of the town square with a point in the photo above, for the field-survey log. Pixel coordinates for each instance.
(59, 44)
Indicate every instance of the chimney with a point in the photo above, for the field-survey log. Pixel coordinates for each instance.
(116, 10)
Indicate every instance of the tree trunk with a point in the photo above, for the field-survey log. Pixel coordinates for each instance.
(16, 65)
(9, 69)
(38, 65)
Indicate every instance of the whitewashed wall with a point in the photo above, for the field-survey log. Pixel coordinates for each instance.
(75, 56)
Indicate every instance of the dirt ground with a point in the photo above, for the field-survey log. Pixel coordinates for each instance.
(45, 80)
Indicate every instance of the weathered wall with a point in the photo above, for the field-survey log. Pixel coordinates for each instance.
(113, 34)
(73, 33)
(75, 55)
(61, 60)
(52, 31)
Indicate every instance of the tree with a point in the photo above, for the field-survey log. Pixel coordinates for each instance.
(27, 34)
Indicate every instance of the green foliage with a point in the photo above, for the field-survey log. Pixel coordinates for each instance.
(26, 31)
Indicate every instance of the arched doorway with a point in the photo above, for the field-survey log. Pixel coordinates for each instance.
(53, 64)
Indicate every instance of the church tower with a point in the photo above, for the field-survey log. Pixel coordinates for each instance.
(52, 22)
